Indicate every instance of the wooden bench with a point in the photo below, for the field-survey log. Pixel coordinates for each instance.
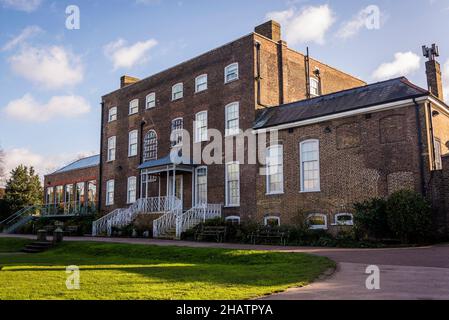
(269, 236)
(71, 230)
(219, 233)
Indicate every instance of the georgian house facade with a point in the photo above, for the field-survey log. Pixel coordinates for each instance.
(339, 140)
(222, 89)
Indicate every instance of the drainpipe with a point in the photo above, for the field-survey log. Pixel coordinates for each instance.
(420, 148)
(100, 177)
(432, 136)
(258, 75)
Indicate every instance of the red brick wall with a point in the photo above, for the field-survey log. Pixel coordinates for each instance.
(360, 157)
(214, 101)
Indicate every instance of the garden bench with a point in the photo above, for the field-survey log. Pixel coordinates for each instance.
(269, 236)
(219, 233)
(50, 229)
(71, 230)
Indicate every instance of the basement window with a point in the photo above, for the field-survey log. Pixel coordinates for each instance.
(344, 219)
(272, 221)
(317, 221)
(234, 220)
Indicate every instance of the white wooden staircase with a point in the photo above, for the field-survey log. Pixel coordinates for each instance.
(171, 223)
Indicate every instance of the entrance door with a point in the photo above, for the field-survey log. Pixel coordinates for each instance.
(179, 192)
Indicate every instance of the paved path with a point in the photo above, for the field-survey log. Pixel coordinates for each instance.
(405, 273)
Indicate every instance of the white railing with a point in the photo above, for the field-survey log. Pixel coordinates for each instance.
(168, 221)
(122, 217)
(195, 216)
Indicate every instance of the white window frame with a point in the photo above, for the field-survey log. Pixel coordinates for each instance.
(438, 154)
(176, 133)
(148, 146)
(268, 172)
(301, 160)
(175, 92)
(199, 84)
(131, 192)
(318, 227)
(227, 72)
(110, 192)
(199, 126)
(133, 143)
(233, 219)
(227, 193)
(134, 105)
(112, 148)
(196, 184)
(112, 114)
(232, 131)
(346, 223)
(317, 85)
(265, 220)
(150, 101)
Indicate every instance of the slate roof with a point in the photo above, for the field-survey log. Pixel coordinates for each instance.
(81, 164)
(362, 97)
(165, 161)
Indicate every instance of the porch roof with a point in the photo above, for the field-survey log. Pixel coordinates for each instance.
(166, 161)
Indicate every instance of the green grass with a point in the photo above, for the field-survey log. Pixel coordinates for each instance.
(12, 244)
(122, 271)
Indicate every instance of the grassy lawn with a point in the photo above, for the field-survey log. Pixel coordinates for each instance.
(121, 271)
(12, 244)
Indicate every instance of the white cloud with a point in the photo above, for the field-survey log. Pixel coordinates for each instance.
(28, 109)
(43, 164)
(310, 24)
(26, 33)
(368, 17)
(404, 63)
(50, 67)
(446, 81)
(123, 56)
(22, 5)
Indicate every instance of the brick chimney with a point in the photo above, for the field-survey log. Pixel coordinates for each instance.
(270, 29)
(127, 80)
(433, 71)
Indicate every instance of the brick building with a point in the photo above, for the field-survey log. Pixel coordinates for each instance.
(340, 140)
(72, 190)
(223, 87)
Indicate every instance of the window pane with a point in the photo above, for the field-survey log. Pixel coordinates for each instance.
(150, 146)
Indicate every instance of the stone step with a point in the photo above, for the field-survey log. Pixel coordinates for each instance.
(37, 247)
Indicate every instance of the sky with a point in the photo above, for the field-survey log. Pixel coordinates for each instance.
(53, 71)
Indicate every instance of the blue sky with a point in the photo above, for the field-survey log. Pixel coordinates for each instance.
(52, 78)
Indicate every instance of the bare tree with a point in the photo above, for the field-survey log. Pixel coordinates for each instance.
(2, 162)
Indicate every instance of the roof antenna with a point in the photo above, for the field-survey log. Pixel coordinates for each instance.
(432, 52)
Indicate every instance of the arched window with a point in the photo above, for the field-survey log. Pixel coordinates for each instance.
(150, 146)
(272, 221)
(344, 219)
(177, 91)
(317, 221)
(232, 220)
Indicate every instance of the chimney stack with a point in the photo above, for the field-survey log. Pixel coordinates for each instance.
(127, 80)
(270, 29)
(433, 71)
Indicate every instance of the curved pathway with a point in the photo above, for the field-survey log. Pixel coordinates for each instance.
(405, 273)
